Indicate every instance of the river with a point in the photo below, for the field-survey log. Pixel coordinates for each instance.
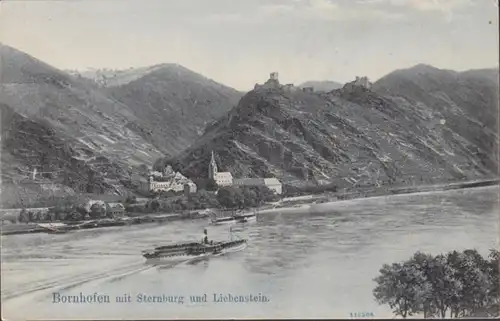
(309, 263)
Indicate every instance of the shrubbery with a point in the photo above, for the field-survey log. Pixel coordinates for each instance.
(230, 197)
(292, 191)
(456, 284)
(236, 197)
(71, 208)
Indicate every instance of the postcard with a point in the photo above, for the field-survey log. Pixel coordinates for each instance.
(216, 159)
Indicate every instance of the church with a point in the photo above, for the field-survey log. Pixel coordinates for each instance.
(226, 178)
(220, 178)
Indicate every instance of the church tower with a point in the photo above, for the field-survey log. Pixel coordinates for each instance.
(212, 167)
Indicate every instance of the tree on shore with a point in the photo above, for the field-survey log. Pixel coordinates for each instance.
(23, 216)
(131, 200)
(230, 197)
(455, 285)
(236, 197)
(211, 185)
(402, 287)
(97, 210)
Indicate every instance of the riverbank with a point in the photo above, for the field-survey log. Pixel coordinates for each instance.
(379, 191)
(63, 227)
(288, 204)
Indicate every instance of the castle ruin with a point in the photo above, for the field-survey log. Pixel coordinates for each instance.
(360, 82)
(271, 83)
(363, 82)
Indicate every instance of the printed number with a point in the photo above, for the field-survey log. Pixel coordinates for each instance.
(362, 314)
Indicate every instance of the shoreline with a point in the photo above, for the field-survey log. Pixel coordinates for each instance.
(294, 203)
(403, 190)
(35, 228)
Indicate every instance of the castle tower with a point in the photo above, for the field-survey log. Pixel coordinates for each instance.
(273, 76)
(212, 167)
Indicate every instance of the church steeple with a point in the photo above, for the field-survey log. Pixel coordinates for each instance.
(212, 167)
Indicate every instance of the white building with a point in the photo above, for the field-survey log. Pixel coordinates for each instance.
(116, 209)
(170, 181)
(220, 178)
(272, 183)
(226, 179)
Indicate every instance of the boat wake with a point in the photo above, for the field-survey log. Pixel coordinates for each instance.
(72, 281)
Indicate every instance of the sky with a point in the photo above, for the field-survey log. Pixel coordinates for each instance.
(239, 42)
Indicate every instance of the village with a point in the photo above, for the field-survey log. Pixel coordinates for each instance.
(171, 193)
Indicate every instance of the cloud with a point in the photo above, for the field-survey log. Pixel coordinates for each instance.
(449, 9)
(425, 5)
(309, 10)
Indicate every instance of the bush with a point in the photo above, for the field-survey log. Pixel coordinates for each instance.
(211, 185)
(230, 197)
(130, 200)
(235, 197)
(97, 210)
(292, 191)
(457, 284)
(207, 184)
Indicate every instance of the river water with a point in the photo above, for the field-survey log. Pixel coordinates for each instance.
(316, 262)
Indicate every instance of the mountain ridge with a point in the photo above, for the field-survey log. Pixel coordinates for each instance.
(95, 124)
(412, 126)
(389, 138)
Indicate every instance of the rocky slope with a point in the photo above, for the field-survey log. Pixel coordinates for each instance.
(393, 134)
(111, 140)
(466, 101)
(172, 104)
(36, 159)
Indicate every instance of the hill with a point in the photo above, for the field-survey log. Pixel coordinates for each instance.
(60, 168)
(467, 101)
(356, 136)
(109, 140)
(43, 100)
(172, 104)
(324, 85)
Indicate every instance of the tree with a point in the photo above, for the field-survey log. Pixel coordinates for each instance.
(446, 287)
(109, 211)
(23, 216)
(230, 197)
(471, 272)
(97, 210)
(402, 287)
(422, 262)
(153, 205)
(82, 210)
(202, 199)
(457, 284)
(250, 197)
(131, 200)
(32, 217)
(494, 293)
(74, 216)
(211, 185)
